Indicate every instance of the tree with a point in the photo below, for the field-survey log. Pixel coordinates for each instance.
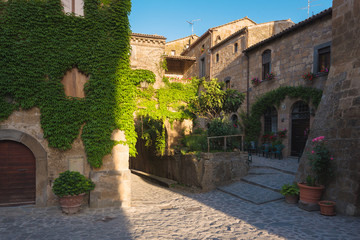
(213, 102)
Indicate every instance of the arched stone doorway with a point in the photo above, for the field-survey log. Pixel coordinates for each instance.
(17, 174)
(21, 140)
(300, 123)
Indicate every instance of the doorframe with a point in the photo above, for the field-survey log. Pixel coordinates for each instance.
(40, 154)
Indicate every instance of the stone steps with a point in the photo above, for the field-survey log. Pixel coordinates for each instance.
(261, 185)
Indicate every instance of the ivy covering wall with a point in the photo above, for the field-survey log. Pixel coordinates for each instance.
(252, 123)
(39, 44)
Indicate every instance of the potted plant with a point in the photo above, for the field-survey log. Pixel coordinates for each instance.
(291, 193)
(309, 76)
(327, 208)
(270, 76)
(320, 161)
(71, 187)
(255, 81)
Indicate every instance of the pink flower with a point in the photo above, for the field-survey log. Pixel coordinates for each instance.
(331, 158)
(312, 152)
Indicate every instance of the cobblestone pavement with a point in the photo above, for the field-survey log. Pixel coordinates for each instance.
(161, 213)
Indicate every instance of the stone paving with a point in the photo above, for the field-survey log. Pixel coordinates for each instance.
(162, 213)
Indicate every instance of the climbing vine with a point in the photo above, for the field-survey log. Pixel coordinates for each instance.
(155, 106)
(275, 97)
(39, 44)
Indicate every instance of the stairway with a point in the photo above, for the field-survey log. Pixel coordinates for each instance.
(264, 180)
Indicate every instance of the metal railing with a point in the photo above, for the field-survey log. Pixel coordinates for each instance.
(225, 141)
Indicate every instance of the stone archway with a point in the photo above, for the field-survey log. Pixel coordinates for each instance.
(40, 159)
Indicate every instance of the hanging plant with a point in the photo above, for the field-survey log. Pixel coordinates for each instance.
(309, 76)
(255, 81)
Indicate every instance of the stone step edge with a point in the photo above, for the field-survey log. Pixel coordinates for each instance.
(262, 186)
(244, 199)
(165, 182)
(274, 168)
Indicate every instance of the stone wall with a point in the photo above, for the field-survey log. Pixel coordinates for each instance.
(53, 162)
(146, 53)
(292, 55)
(338, 116)
(179, 45)
(206, 171)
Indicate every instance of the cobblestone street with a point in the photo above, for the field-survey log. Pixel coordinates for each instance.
(161, 213)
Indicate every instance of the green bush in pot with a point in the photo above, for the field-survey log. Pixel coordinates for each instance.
(72, 183)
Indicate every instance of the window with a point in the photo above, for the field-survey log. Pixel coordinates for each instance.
(235, 47)
(270, 120)
(227, 82)
(266, 63)
(217, 57)
(322, 58)
(218, 39)
(202, 67)
(173, 52)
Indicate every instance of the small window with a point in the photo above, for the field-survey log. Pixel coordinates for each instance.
(270, 120)
(235, 47)
(266, 63)
(187, 45)
(218, 39)
(227, 82)
(173, 52)
(217, 57)
(202, 68)
(324, 59)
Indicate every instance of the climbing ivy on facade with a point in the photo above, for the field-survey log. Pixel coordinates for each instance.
(39, 44)
(252, 122)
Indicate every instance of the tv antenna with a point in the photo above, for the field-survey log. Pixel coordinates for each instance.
(192, 25)
(309, 6)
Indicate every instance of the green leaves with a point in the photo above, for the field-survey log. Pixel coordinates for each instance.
(39, 44)
(72, 183)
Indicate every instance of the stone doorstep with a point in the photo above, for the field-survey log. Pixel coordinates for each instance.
(165, 182)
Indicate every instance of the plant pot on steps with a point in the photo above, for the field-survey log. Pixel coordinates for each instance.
(310, 196)
(327, 208)
(71, 204)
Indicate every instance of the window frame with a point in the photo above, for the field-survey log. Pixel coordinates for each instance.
(236, 47)
(316, 67)
(265, 63)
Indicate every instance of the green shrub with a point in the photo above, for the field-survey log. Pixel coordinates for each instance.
(195, 142)
(290, 189)
(72, 183)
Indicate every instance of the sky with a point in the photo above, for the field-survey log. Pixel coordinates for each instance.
(169, 18)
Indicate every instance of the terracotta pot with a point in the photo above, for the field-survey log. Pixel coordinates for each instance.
(327, 208)
(292, 199)
(71, 204)
(309, 194)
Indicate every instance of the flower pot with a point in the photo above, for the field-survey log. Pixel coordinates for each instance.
(309, 194)
(292, 199)
(327, 208)
(71, 204)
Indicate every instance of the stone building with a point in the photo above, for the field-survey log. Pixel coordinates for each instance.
(227, 55)
(176, 47)
(147, 53)
(338, 115)
(289, 54)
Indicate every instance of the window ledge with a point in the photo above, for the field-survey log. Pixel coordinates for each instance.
(321, 74)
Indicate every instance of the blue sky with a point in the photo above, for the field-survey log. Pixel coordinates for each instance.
(168, 17)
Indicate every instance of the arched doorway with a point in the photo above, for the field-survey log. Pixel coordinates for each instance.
(300, 123)
(17, 174)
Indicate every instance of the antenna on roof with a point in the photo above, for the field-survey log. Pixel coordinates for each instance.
(192, 25)
(309, 6)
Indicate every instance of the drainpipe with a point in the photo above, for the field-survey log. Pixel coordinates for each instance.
(247, 84)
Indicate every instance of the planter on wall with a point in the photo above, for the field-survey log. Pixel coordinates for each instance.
(327, 208)
(71, 204)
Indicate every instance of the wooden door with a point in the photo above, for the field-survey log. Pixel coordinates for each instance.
(17, 174)
(299, 125)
